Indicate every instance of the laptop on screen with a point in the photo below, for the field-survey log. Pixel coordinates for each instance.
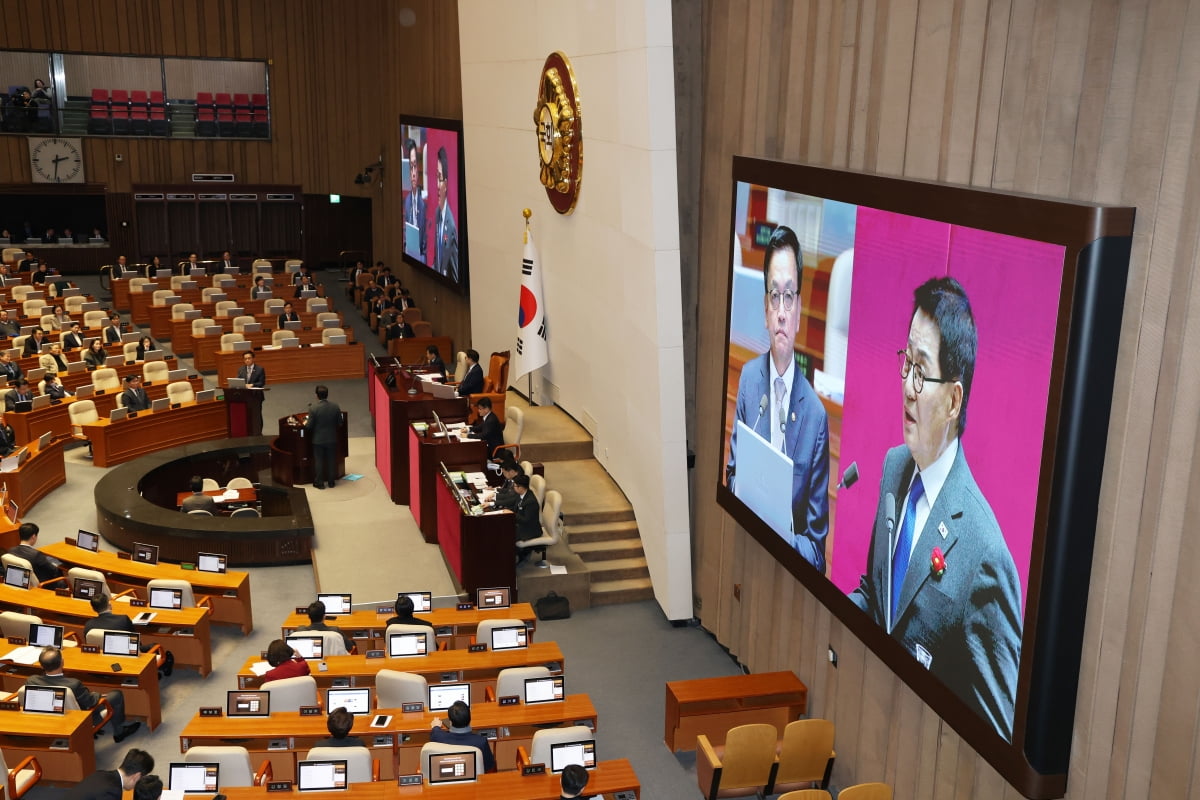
(166, 598)
(582, 753)
(512, 637)
(194, 778)
(444, 695)
(145, 553)
(248, 704)
(764, 481)
(335, 603)
(45, 699)
(422, 601)
(406, 644)
(211, 562)
(307, 647)
(493, 598)
(87, 540)
(356, 701)
(457, 767)
(86, 588)
(18, 577)
(321, 776)
(41, 635)
(119, 643)
(549, 689)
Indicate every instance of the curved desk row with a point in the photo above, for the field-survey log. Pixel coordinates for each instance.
(43, 472)
(116, 442)
(295, 364)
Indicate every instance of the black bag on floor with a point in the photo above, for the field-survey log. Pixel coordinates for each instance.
(552, 607)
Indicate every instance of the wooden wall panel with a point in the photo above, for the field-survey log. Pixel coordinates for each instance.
(1089, 101)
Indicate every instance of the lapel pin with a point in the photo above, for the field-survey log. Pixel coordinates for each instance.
(942, 530)
(793, 416)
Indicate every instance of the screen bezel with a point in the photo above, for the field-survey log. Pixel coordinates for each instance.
(176, 594)
(221, 557)
(556, 747)
(60, 698)
(318, 646)
(555, 680)
(134, 638)
(344, 598)
(416, 636)
(429, 706)
(27, 574)
(330, 703)
(434, 779)
(59, 630)
(263, 694)
(151, 549)
(98, 588)
(480, 593)
(425, 597)
(188, 766)
(462, 286)
(494, 631)
(300, 765)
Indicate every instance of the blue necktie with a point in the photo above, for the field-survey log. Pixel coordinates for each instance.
(904, 546)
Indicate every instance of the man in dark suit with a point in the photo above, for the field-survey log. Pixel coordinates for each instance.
(939, 576)
(405, 613)
(51, 661)
(121, 269)
(506, 495)
(109, 784)
(45, 568)
(20, 393)
(112, 332)
(33, 343)
(305, 285)
(10, 369)
(73, 339)
(198, 501)
(529, 519)
(106, 620)
(8, 326)
(255, 378)
(472, 382)
(54, 389)
(488, 426)
(316, 622)
(289, 315)
(445, 231)
(776, 401)
(399, 329)
(28, 263)
(460, 733)
(323, 420)
(414, 201)
(433, 360)
(134, 396)
(227, 262)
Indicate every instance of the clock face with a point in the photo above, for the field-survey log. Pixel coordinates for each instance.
(56, 160)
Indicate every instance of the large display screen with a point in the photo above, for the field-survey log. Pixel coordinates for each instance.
(434, 207)
(867, 316)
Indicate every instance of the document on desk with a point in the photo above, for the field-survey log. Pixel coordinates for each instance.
(27, 655)
(172, 794)
(260, 668)
(227, 495)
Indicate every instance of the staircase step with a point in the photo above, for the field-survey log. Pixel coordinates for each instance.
(633, 590)
(593, 552)
(604, 517)
(583, 533)
(618, 569)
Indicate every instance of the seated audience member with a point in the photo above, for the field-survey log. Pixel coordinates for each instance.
(574, 780)
(488, 427)
(59, 319)
(53, 388)
(51, 661)
(299, 275)
(54, 361)
(529, 522)
(316, 622)
(121, 269)
(372, 291)
(227, 263)
(33, 343)
(28, 263)
(404, 301)
(404, 613)
(399, 329)
(40, 274)
(192, 263)
(433, 360)
(8, 326)
(148, 787)
(385, 278)
(506, 495)
(95, 355)
(45, 568)
(112, 331)
(111, 784)
(73, 338)
(106, 620)
(134, 396)
(472, 382)
(339, 723)
(460, 733)
(305, 285)
(284, 662)
(8, 439)
(198, 501)
(260, 287)
(9, 368)
(19, 393)
(145, 345)
(289, 315)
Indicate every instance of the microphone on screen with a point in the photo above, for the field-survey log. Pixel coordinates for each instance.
(850, 476)
(762, 409)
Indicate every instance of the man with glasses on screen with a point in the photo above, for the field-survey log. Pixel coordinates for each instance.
(445, 229)
(776, 401)
(939, 576)
(414, 202)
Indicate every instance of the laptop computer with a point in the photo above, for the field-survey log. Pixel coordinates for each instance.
(166, 598)
(455, 767)
(356, 701)
(86, 390)
(406, 644)
(307, 647)
(549, 689)
(252, 327)
(335, 603)
(76, 366)
(86, 588)
(242, 346)
(205, 396)
(293, 325)
(17, 577)
(114, 361)
(563, 754)
(118, 414)
(145, 553)
(35, 375)
(153, 355)
(444, 695)
(248, 703)
(177, 374)
(422, 601)
(87, 540)
(41, 401)
(499, 597)
(42, 635)
(195, 778)
(211, 562)
(321, 776)
(338, 339)
(160, 404)
(237, 383)
(764, 481)
(512, 637)
(45, 700)
(120, 643)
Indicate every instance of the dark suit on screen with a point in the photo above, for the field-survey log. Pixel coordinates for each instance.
(414, 214)
(966, 624)
(806, 442)
(446, 233)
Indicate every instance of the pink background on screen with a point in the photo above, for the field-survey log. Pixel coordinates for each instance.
(1013, 285)
(438, 139)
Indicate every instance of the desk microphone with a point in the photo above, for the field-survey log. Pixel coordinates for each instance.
(850, 476)
(762, 409)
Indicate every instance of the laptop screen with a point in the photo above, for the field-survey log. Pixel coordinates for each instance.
(45, 699)
(308, 647)
(45, 635)
(544, 690)
(119, 643)
(335, 603)
(406, 644)
(510, 638)
(492, 598)
(422, 601)
(321, 776)
(444, 695)
(193, 778)
(356, 701)
(88, 540)
(166, 598)
(211, 562)
(248, 704)
(86, 588)
(457, 767)
(17, 576)
(564, 753)
(145, 553)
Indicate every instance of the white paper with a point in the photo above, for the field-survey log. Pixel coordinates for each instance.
(27, 655)
(260, 668)
(558, 569)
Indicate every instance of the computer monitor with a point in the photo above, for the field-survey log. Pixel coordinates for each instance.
(45, 699)
(422, 601)
(441, 426)
(12, 510)
(511, 637)
(563, 754)
(145, 553)
(194, 778)
(335, 603)
(166, 598)
(339, 338)
(87, 540)
(406, 644)
(160, 404)
(86, 588)
(42, 635)
(321, 776)
(307, 647)
(211, 562)
(205, 396)
(18, 577)
(444, 695)
(248, 703)
(356, 701)
(456, 767)
(544, 690)
(499, 597)
(120, 643)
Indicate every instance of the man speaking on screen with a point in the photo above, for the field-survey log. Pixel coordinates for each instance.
(779, 409)
(939, 575)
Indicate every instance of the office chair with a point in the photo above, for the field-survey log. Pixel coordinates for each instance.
(805, 756)
(23, 777)
(234, 767)
(430, 638)
(539, 746)
(288, 694)
(437, 747)
(743, 767)
(552, 527)
(866, 791)
(360, 767)
(394, 688)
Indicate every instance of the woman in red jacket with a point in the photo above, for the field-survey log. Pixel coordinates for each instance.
(284, 662)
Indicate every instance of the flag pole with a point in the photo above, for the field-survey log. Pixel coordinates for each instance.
(527, 213)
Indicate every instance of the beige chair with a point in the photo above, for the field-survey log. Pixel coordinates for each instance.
(129, 350)
(360, 767)
(48, 322)
(261, 265)
(22, 290)
(180, 392)
(94, 319)
(316, 304)
(460, 366)
(227, 340)
(326, 315)
(18, 343)
(807, 794)
(13, 254)
(527, 467)
(394, 688)
(177, 282)
(866, 791)
(511, 682)
(209, 484)
(81, 412)
(21, 778)
(136, 284)
(247, 511)
(514, 426)
(742, 767)
(332, 642)
(552, 527)
(223, 307)
(83, 573)
(155, 371)
(429, 748)
(179, 310)
(537, 485)
(15, 624)
(328, 333)
(74, 304)
(200, 512)
(235, 768)
(159, 298)
(106, 379)
(805, 756)
(200, 323)
(273, 306)
(483, 631)
(239, 483)
(288, 694)
(430, 637)
(102, 712)
(187, 597)
(34, 308)
(539, 746)
(209, 292)
(292, 265)
(277, 337)
(240, 323)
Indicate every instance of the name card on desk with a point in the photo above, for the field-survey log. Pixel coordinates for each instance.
(409, 780)
(282, 786)
(17, 640)
(533, 769)
(310, 711)
(88, 648)
(477, 648)
(375, 654)
(382, 610)
(412, 708)
(122, 556)
(466, 606)
(210, 711)
(302, 610)
(509, 700)
(10, 705)
(135, 603)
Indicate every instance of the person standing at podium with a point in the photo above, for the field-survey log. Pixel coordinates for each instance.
(255, 378)
(322, 423)
(135, 396)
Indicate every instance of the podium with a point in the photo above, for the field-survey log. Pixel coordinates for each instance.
(243, 408)
(292, 452)
(425, 453)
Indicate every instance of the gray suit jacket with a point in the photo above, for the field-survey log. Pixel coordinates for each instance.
(964, 626)
(323, 420)
(447, 244)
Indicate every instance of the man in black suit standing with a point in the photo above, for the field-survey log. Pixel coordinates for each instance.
(109, 784)
(45, 568)
(472, 382)
(322, 423)
(51, 661)
(255, 378)
(135, 396)
(488, 427)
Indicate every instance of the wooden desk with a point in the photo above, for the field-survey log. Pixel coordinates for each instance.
(368, 627)
(42, 473)
(186, 632)
(137, 680)
(62, 743)
(244, 497)
(115, 442)
(181, 329)
(205, 348)
(480, 550)
(714, 705)
(298, 364)
(229, 593)
(412, 349)
(507, 727)
(478, 669)
(425, 453)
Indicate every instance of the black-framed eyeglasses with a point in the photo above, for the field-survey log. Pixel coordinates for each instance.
(789, 299)
(919, 377)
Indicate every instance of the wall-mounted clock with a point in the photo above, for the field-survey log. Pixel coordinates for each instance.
(56, 160)
(558, 124)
